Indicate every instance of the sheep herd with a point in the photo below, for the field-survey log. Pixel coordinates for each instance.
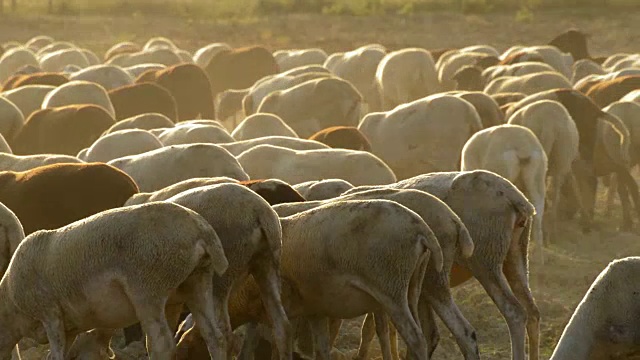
(242, 203)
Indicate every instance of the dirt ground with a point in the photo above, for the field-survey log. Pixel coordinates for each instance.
(573, 259)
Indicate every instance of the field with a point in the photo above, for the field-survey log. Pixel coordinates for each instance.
(573, 259)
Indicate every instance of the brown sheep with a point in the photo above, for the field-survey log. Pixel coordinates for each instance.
(63, 130)
(190, 87)
(240, 68)
(137, 99)
(52, 196)
(609, 91)
(39, 78)
(574, 42)
(343, 137)
(274, 191)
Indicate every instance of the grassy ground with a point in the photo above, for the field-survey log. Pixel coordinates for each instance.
(573, 259)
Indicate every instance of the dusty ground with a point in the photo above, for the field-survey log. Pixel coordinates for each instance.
(574, 259)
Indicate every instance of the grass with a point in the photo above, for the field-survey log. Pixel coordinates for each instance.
(573, 259)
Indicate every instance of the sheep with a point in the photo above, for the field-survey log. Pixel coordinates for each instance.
(146, 121)
(487, 108)
(203, 55)
(398, 136)
(456, 245)
(343, 137)
(38, 78)
(79, 92)
(367, 224)
(51, 196)
(28, 98)
(322, 189)
(190, 87)
(91, 57)
(137, 99)
(499, 261)
(57, 60)
(585, 67)
(451, 66)
(108, 76)
(4, 146)
(469, 78)
(572, 41)
(528, 84)
(587, 116)
(238, 147)
(315, 105)
(228, 106)
(63, 130)
(137, 70)
(404, 76)
(10, 162)
(359, 68)
(239, 68)
(274, 191)
(262, 124)
(548, 54)
(53, 47)
(12, 236)
(169, 280)
(506, 98)
(38, 42)
(558, 135)
(612, 90)
(175, 189)
(14, 59)
(159, 42)
(291, 59)
(356, 167)
(518, 69)
(251, 237)
(265, 86)
(121, 143)
(604, 324)
(590, 81)
(483, 49)
(159, 168)
(162, 56)
(11, 118)
(189, 134)
(632, 96)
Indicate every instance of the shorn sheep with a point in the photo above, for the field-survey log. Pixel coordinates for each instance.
(498, 217)
(558, 135)
(604, 324)
(514, 152)
(325, 270)
(106, 289)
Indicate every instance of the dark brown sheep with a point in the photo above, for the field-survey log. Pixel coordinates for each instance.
(240, 68)
(52, 196)
(469, 78)
(40, 78)
(274, 191)
(63, 130)
(574, 42)
(609, 91)
(343, 137)
(131, 100)
(190, 87)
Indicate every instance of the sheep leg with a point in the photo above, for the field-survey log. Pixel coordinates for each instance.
(515, 270)
(150, 312)
(334, 330)
(627, 223)
(366, 336)
(269, 283)
(200, 301)
(579, 193)
(429, 326)
(495, 284)
(54, 327)
(625, 179)
(382, 330)
(393, 340)
(613, 184)
(409, 330)
(320, 329)
(250, 343)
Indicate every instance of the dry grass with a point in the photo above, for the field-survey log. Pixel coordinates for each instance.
(574, 259)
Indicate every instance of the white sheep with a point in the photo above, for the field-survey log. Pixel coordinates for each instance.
(11, 118)
(159, 168)
(261, 124)
(604, 325)
(528, 84)
(12, 60)
(448, 68)
(359, 67)
(423, 136)
(293, 167)
(549, 54)
(58, 60)
(136, 70)
(28, 98)
(585, 67)
(11, 236)
(206, 53)
(185, 133)
(79, 92)
(406, 75)
(38, 42)
(291, 59)
(514, 152)
(517, 69)
(77, 281)
(10, 162)
(238, 147)
(120, 144)
(55, 46)
(91, 57)
(322, 189)
(163, 56)
(632, 96)
(108, 76)
(559, 137)
(177, 188)
(159, 42)
(148, 121)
